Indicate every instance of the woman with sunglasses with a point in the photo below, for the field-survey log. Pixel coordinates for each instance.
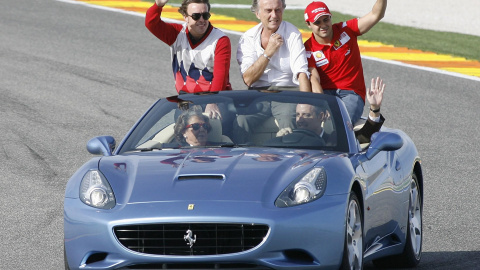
(196, 48)
(192, 128)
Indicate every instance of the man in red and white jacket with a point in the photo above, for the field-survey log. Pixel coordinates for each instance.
(200, 52)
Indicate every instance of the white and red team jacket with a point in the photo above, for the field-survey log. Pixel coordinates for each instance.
(202, 67)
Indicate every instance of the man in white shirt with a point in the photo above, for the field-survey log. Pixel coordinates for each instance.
(272, 53)
(272, 56)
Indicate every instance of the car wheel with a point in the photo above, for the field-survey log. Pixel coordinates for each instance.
(353, 250)
(413, 245)
(413, 250)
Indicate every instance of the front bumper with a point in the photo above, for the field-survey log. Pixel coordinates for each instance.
(309, 236)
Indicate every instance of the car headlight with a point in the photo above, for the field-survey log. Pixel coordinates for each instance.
(306, 188)
(95, 191)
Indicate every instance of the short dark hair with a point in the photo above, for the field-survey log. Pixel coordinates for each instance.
(318, 109)
(254, 7)
(183, 8)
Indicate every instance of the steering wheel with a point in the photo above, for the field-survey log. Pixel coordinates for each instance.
(306, 132)
(310, 137)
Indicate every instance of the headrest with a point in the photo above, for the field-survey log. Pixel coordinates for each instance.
(216, 133)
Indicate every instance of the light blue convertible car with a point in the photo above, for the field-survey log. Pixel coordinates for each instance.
(255, 189)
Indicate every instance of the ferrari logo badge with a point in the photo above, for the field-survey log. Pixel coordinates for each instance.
(189, 239)
(191, 206)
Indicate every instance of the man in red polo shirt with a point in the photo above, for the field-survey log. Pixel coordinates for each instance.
(333, 52)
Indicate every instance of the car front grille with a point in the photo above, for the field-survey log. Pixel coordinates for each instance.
(205, 238)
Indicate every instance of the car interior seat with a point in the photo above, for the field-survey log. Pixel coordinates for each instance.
(265, 131)
(216, 133)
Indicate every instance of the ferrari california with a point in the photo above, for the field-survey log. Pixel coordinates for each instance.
(191, 189)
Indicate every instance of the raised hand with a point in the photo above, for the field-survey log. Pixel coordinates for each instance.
(375, 93)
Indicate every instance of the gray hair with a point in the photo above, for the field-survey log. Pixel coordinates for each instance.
(254, 7)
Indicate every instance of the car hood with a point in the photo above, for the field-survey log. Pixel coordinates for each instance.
(222, 174)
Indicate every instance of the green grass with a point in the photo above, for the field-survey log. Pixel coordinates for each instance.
(461, 45)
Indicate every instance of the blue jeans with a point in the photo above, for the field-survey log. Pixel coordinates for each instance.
(353, 102)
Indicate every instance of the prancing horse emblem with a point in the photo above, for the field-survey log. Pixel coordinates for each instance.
(189, 238)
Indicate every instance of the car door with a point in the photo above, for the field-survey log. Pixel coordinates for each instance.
(382, 197)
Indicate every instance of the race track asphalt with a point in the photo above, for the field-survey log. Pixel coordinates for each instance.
(71, 72)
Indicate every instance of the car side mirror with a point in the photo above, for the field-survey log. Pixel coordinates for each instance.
(384, 141)
(102, 145)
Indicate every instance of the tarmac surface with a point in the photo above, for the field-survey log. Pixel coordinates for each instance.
(70, 73)
(460, 16)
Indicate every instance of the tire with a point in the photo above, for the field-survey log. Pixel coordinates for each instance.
(412, 252)
(353, 248)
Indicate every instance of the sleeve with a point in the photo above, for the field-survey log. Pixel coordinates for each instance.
(246, 54)
(309, 55)
(223, 53)
(365, 133)
(352, 25)
(298, 56)
(166, 32)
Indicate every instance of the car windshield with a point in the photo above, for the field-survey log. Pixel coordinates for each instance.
(248, 119)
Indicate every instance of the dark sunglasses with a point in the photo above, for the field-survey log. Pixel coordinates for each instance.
(196, 126)
(196, 16)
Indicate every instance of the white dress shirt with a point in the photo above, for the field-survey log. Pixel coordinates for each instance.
(285, 64)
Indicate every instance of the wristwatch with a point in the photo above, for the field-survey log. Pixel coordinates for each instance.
(266, 56)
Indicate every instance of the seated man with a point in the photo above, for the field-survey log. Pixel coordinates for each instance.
(309, 117)
(271, 56)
